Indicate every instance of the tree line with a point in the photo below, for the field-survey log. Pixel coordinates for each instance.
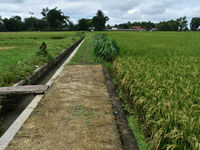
(52, 20)
(55, 20)
(180, 24)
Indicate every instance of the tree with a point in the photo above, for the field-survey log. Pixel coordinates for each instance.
(108, 27)
(173, 25)
(83, 24)
(55, 18)
(195, 23)
(35, 24)
(42, 24)
(71, 26)
(30, 24)
(99, 20)
(163, 26)
(44, 13)
(123, 26)
(13, 24)
(2, 27)
(148, 25)
(182, 23)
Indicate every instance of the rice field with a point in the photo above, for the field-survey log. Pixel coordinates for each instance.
(159, 73)
(18, 50)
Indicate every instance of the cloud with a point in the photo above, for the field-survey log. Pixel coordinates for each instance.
(118, 11)
(11, 1)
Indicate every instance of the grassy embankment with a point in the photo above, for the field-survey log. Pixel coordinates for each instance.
(158, 78)
(18, 57)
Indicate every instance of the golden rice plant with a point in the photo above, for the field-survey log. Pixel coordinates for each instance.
(167, 96)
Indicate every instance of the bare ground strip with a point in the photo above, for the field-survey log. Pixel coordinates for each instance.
(75, 113)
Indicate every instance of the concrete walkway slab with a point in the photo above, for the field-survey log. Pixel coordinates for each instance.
(75, 113)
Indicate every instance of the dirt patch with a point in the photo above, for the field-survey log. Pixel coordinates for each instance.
(76, 113)
(6, 48)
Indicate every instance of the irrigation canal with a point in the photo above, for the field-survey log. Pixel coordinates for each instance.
(75, 113)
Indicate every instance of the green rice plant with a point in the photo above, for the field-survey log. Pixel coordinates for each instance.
(105, 47)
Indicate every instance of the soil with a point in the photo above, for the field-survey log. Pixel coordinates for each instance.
(6, 48)
(75, 113)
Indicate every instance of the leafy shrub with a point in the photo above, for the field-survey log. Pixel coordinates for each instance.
(105, 47)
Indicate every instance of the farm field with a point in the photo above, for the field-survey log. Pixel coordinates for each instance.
(18, 52)
(157, 74)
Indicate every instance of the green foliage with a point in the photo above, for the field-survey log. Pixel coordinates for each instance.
(170, 25)
(84, 24)
(195, 23)
(55, 18)
(182, 23)
(145, 25)
(99, 20)
(13, 24)
(43, 50)
(35, 24)
(105, 47)
(141, 140)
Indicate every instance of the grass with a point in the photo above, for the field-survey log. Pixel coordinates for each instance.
(86, 55)
(18, 52)
(85, 114)
(139, 134)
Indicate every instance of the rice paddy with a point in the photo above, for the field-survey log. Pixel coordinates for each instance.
(156, 72)
(18, 50)
(159, 74)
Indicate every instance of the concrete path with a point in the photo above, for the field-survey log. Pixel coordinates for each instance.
(75, 113)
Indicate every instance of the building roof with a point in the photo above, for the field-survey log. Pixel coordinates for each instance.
(136, 27)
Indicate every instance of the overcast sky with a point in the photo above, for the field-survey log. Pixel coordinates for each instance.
(119, 11)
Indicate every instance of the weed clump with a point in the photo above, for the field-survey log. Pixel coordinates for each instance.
(43, 52)
(105, 47)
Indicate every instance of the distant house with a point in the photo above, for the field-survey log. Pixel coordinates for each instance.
(91, 29)
(136, 28)
(154, 29)
(114, 29)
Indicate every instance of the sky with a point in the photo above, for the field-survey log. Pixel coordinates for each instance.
(119, 11)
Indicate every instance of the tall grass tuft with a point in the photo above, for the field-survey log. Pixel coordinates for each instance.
(105, 47)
